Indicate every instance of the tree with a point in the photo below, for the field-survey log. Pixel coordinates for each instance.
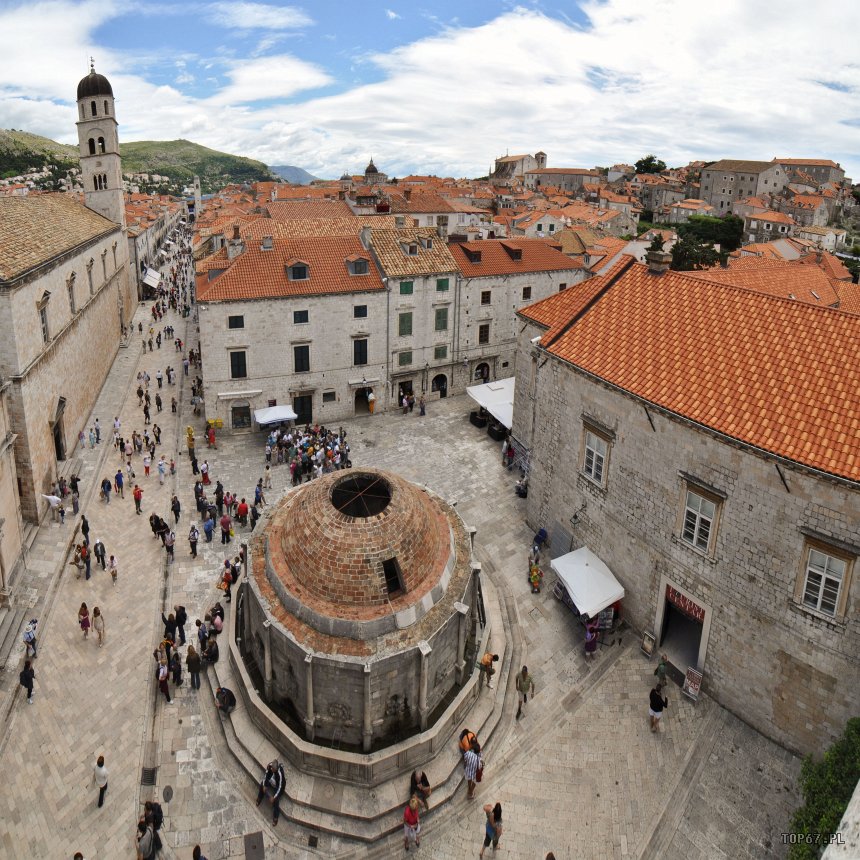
(727, 232)
(690, 253)
(656, 243)
(827, 787)
(650, 164)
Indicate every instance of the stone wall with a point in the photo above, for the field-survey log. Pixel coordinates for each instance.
(791, 672)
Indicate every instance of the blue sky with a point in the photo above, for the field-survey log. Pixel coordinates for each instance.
(445, 87)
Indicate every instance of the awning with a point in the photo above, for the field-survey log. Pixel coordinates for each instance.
(497, 398)
(152, 278)
(588, 581)
(274, 415)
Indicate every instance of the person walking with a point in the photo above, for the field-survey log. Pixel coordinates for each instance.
(660, 671)
(492, 827)
(471, 764)
(100, 778)
(169, 542)
(85, 530)
(225, 522)
(411, 824)
(163, 675)
(30, 639)
(137, 493)
(193, 537)
(119, 483)
(657, 703)
(26, 678)
(84, 619)
(99, 552)
(99, 625)
(192, 662)
(181, 618)
(86, 558)
(488, 669)
(175, 507)
(112, 568)
(147, 462)
(267, 478)
(162, 471)
(525, 688)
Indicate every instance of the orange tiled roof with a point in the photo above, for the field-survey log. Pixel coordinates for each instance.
(390, 246)
(258, 274)
(808, 162)
(830, 264)
(296, 228)
(780, 375)
(299, 209)
(849, 296)
(537, 256)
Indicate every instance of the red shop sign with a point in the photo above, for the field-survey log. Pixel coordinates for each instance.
(687, 606)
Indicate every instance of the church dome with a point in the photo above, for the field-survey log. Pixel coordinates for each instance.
(94, 84)
(371, 168)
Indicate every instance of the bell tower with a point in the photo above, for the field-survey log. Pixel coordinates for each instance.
(101, 169)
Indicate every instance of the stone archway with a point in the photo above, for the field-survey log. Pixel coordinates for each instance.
(440, 384)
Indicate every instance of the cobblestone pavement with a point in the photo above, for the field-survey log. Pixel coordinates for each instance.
(580, 774)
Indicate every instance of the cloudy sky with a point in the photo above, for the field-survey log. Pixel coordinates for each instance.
(446, 86)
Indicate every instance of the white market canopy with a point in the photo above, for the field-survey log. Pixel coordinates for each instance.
(589, 582)
(152, 277)
(274, 415)
(497, 398)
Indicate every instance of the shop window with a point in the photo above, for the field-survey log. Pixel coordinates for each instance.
(240, 416)
(302, 358)
(824, 579)
(404, 324)
(236, 321)
(238, 364)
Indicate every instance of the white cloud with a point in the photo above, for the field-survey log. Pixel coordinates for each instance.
(666, 77)
(391, 15)
(260, 16)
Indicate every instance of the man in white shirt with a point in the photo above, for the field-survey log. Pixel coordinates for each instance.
(100, 778)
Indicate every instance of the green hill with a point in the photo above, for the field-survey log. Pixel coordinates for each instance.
(180, 160)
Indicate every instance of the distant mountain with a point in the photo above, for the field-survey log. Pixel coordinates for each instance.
(293, 175)
(180, 160)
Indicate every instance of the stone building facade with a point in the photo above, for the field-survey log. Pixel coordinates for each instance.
(727, 181)
(11, 524)
(735, 540)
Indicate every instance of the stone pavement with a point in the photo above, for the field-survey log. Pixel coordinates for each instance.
(580, 774)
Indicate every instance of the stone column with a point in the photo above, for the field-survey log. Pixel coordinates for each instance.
(310, 720)
(367, 729)
(267, 660)
(424, 650)
(463, 612)
(246, 612)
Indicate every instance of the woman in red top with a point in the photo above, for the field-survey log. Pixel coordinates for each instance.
(411, 825)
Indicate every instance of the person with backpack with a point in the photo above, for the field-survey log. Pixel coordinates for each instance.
(146, 845)
(26, 678)
(30, 638)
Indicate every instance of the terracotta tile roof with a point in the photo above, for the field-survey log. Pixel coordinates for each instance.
(497, 257)
(218, 260)
(562, 171)
(604, 253)
(773, 217)
(849, 296)
(296, 228)
(780, 375)
(298, 209)
(420, 202)
(509, 158)
(808, 162)
(730, 165)
(257, 274)
(829, 263)
(388, 245)
(39, 227)
(763, 249)
(775, 278)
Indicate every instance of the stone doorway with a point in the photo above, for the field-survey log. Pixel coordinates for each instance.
(361, 405)
(680, 637)
(482, 372)
(440, 384)
(303, 406)
(57, 431)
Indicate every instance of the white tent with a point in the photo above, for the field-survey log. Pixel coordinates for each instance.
(152, 277)
(587, 580)
(274, 415)
(497, 398)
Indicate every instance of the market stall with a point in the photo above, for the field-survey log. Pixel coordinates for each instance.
(274, 415)
(588, 587)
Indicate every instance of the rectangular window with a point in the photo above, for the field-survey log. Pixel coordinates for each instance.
(302, 358)
(236, 321)
(359, 312)
(823, 581)
(562, 287)
(72, 298)
(90, 276)
(404, 358)
(359, 352)
(486, 297)
(527, 293)
(540, 228)
(440, 352)
(441, 285)
(484, 333)
(43, 320)
(300, 317)
(406, 288)
(699, 515)
(404, 324)
(359, 267)
(329, 396)
(441, 319)
(299, 273)
(393, 577)
(238, 365)
(594, 461)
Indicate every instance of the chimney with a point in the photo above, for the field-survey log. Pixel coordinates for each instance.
(658, 261)
(407, 193)
(364, 236)
(267, 244)
(235, 231)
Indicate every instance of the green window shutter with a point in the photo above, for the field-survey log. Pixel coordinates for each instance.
(441, 285)
(406, 288)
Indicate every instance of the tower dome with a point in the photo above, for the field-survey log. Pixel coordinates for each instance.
(94, 84)
(371, 168)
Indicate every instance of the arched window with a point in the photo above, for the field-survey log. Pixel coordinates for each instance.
(93, 108)
(83, 113)
(92, 146)
(101, 144)
(106, 107)
(104, 180)
(95, 183)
